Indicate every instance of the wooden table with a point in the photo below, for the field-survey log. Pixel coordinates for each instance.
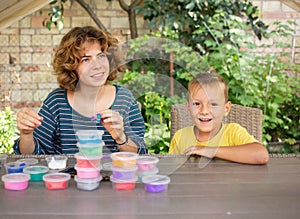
(216, 190)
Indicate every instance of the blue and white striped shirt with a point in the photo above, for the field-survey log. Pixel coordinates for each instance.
(56, 134)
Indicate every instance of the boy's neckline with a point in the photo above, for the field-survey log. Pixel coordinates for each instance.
(221, 130)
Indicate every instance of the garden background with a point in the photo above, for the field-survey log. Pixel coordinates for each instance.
(262, 73)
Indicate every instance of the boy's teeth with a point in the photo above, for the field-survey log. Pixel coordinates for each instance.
(205, 120)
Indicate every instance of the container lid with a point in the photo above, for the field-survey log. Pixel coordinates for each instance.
(15, 165)
(92, 180)
(35, 169)
(89, 134)
(56, 177)
(2, 155)
(91, 145)
(112, 179)
(148, 172)
(28, 161)
(147, 160)
(87, 157)
(56, 157)
(156, 179)
(87, 169)
(124, 156)
(15, 177)
(119, 169)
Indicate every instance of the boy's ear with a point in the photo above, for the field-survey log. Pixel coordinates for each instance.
(187, 106)
(227, 107)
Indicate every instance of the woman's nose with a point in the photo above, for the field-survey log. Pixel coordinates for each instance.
(96, 63)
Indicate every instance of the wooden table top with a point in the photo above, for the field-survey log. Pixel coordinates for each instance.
(199, 188)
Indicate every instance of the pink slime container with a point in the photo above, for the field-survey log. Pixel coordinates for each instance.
(146, 163)
(16, 181)
(87, 173)
(87, 161)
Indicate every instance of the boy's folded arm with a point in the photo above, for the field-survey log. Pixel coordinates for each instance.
(251, 153)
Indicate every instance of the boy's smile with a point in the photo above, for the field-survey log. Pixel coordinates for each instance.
(207, 107)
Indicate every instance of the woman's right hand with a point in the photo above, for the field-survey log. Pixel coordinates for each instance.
(28, 120)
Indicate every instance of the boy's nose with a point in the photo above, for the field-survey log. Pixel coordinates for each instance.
(203, 109)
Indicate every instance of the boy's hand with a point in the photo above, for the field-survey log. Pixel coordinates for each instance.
(28, 120)
(201, 150)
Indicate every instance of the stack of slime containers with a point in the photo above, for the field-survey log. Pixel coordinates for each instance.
(147, 173)
(124, 170)
(147, 165)
(88, 159)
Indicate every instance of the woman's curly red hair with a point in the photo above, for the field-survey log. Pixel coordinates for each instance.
(67, 55)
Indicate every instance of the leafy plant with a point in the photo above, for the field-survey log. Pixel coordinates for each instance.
(56, 15)
(224, 42)
(8, 130)
(186, 16)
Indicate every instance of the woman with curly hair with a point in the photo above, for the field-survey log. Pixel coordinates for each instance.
(86, 62)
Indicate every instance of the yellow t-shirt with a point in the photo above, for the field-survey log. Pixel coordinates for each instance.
(231, 134)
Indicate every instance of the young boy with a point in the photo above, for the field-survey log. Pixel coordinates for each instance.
(207, 104)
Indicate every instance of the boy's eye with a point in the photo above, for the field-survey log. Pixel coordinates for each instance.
(214, 104)
(196, 104)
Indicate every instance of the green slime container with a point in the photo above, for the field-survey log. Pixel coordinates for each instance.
(36, 172)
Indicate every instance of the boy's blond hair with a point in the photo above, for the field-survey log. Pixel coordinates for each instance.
(207, 79)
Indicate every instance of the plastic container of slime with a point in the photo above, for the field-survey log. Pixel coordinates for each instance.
(146, 163)
(123, 174)
(87, 184)
(56, 181)
(141, 174)
(3, 158)
(15, 167)
(36, 172)
(124, 159)
(16, 181)
(156, 183)
(87, 173)
(87, 161)
(91, 149)
(57, 162)
(118, 184)
(89, 136)
(28, 161)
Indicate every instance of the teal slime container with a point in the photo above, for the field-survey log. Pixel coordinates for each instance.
(36, 172)
(91, 149)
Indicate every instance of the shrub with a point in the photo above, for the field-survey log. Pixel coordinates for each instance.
(8, 130)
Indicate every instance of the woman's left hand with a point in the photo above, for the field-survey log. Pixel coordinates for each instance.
(113, 122)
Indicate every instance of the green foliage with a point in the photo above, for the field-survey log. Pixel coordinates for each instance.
(155, 108)
(185, 17)
(56, 15)
(8, 130)
(263, 80)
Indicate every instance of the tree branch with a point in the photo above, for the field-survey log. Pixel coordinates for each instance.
(92, 14)
(131, 16)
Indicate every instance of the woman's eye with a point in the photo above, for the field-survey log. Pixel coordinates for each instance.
(84, 60)
(102, 55)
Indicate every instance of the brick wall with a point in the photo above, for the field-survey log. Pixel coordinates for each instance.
(26, 47)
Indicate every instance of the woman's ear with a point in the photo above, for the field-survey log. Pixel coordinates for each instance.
(227, 107)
